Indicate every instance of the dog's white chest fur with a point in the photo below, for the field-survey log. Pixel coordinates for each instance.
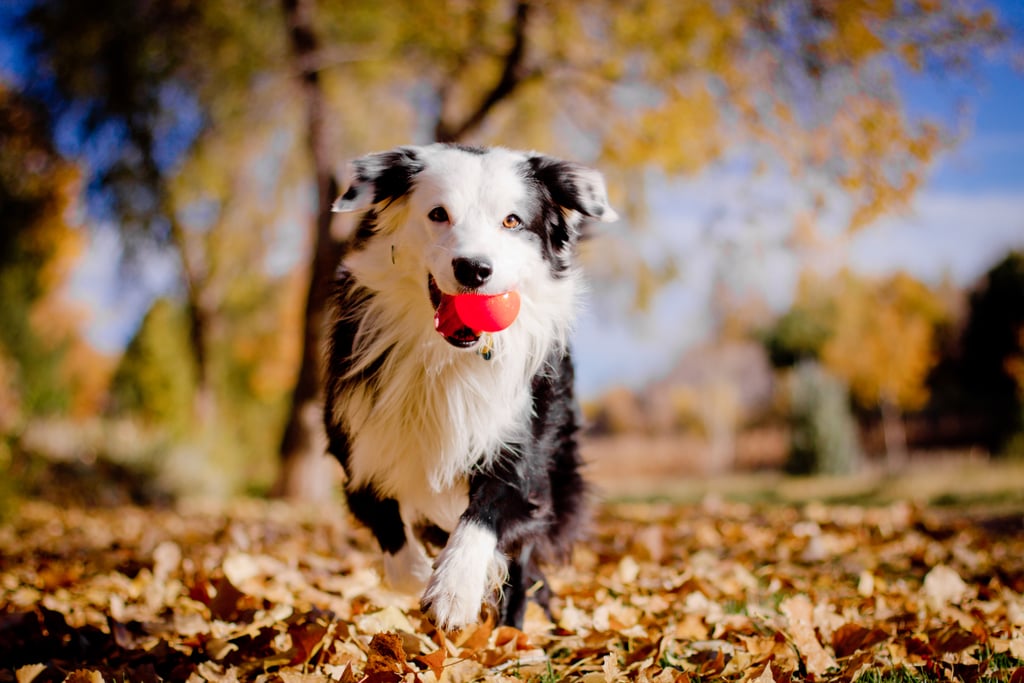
(420, 434)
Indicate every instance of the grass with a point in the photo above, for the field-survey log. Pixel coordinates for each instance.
(1000, 667)
(949, 483)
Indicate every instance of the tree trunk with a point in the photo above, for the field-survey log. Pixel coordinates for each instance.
(895, 436)
(201, 316)
(306, 471)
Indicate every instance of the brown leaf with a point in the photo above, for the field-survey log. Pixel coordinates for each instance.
(387, 656)
(506, 634)
(850, 638)
(224, 605)
(713, 663)
(307, 639)
(951, 639)
(765, 676)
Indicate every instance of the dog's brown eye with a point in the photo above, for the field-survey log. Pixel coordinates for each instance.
(438, 215)
(511, 221)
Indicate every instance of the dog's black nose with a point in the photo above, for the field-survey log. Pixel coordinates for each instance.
(472, 272)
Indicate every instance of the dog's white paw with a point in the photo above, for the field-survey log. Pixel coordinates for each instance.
(466, 571)
(409, 569)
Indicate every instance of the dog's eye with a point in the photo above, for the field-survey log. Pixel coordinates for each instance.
(511, 221)
(438, 215)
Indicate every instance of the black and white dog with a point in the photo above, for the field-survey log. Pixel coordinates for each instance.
(456, 441)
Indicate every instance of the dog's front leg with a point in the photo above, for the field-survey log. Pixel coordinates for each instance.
(474, 563)
(466, 571)
(406, 564)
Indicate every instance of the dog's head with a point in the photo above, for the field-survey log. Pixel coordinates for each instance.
(473, 220)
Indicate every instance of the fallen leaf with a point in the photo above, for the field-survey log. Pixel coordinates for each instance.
(610, 668)
(84, 676)
(434, 660)
(27, 674)
(388, 619)
(386, 660)
(765, 676)
(799, 611)
(851, 638)
(943, 586)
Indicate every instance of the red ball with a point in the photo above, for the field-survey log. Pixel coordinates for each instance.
(488, 312)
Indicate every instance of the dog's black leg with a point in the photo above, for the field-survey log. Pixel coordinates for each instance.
(524, 575)
(381, 515)
(405, 560)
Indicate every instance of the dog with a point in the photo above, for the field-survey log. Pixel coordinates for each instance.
(454, 441)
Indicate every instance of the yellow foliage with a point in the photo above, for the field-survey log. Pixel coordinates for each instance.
(88, 373)
(681, 135)
(883, 341)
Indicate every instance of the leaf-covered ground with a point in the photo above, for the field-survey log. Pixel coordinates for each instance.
(718, 591)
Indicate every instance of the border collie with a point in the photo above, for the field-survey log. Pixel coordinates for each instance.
(458, 443)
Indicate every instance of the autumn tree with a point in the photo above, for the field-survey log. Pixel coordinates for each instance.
(884, 346)
(39, 243)
(140, 83)
(878, 336)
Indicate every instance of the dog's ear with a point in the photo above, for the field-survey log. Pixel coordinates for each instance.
(379, 177)
(574, 187)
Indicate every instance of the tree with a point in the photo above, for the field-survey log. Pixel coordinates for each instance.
(801, 333)
(156, 377)
(824, 432)
(38, 244)
(991, 348)
(884, 346)
(878, 337)
(150, 77)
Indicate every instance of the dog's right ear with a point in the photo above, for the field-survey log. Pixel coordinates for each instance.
(379, 177)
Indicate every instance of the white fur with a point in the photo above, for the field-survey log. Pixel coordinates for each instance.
(469, 568)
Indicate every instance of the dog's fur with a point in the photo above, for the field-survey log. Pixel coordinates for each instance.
(443, 447)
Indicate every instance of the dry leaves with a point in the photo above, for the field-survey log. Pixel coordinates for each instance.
(661, 593)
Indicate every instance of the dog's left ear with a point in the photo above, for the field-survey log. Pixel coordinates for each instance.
(574, 187)
(379, 177)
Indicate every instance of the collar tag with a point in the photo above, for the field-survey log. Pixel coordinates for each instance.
(486, 349)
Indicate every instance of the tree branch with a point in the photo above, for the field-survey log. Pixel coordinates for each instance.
(513, 75)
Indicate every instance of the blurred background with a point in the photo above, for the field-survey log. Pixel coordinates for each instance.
(819, 270)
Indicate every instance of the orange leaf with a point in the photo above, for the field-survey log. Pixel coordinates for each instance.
(435, 660)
